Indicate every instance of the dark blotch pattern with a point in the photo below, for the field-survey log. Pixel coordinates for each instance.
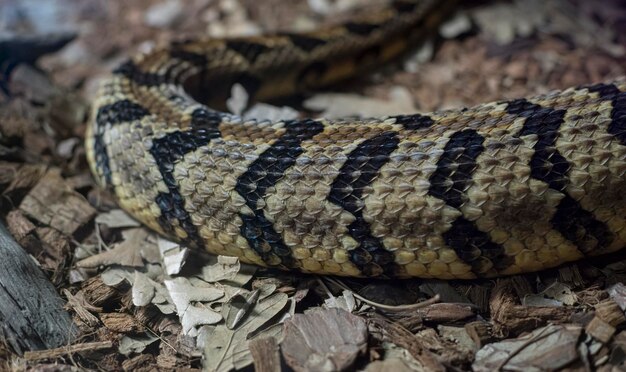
(102, 158)
(206, 119)
(310, 75)
(449, 182)
(470, 243)
(359, 171)
(305, 43)
(250, 83)
(617, 127)
(119, 112)
(548, 165)
(195, 59)
(264, 173)
(249, 50)
(166, 151)
(404, 6)
(361, 29)
(579, 226)
(455, 167)
(133, 73)
(414, 122)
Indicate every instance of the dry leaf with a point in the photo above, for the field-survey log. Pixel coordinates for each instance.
(556, 294)
(238, 307)
(221, 268)
(130, 252)
(618, 293)
(226, 349)
(174, 260)
(345, 302)
(560, 292)
(547, 348)
(238, 100)
(502, 23)
(117, 218)
(130, 345)
(142, 289)
(339, 105)
(183, 292)
(265, 112)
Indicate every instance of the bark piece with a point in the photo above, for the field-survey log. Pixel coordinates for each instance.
(324, 339)
(97, 293)
(386, 330)
(265, 354)
(31, 311)
(480, 332)
(142, 360)
(510, 317)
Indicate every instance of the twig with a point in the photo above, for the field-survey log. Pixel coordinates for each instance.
(71, 349)
(395, 308)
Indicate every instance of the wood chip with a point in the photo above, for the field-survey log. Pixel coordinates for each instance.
(83, 310)
(480, 332)
(98, 293)
(508, 316)
(265, 353)
(24, 178)
(610, 312)
(395, 333)
(19, 225)
(121, 322)
(53, 203)
(600, 330)
(323, 339)
(142, 360)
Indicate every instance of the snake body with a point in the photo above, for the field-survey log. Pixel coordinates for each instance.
(501, 188)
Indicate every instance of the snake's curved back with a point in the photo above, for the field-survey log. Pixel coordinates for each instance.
(500, 188)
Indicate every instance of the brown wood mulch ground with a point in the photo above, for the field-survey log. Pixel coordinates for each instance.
(142, 303)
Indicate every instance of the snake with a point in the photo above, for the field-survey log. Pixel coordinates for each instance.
(501, 188)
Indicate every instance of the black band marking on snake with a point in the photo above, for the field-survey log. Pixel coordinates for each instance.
(360, 169)
(361, 29)
(570, 219)
(414, 122)
(304, 42)
(610, 92)
(264, 173)
(130, 70)
(116, 113)
(196, 59)
(449, 182)
(249, 50)
(404, 6)
(166, 151)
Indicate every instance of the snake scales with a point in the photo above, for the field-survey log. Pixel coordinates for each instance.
(501, 188)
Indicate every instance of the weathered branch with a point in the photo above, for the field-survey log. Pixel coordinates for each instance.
(31, 312)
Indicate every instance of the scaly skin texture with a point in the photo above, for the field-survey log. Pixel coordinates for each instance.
(497, 189)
